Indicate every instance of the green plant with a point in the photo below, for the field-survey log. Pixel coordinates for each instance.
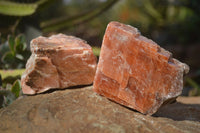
(13, 73)
(58, 24)
(96, 51)
(17, 9)
(196, 88)
(14, 53)
(165, 21)
(39, 13)
(10, 93)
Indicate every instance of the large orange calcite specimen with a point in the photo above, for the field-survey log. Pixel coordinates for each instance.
(59, 61)
(136, 72)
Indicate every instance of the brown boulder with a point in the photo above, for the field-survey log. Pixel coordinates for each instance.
(186, 108)
(83, 111)
(59, 61)
(135, 71)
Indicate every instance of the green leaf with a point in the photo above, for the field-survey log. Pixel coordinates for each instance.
(16, 88)
(11, 42)
(8, 57)
(96, 51)
(20, 43)
(21, 37)
(4, 48)
(17, 9)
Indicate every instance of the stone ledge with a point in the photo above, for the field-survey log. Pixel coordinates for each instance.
(81, 110)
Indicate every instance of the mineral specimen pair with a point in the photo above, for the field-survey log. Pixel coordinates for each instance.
(132, 70)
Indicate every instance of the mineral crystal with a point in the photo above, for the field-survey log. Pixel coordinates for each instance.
(135, 71)
(59, 61)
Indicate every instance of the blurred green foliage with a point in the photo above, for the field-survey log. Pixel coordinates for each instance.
(61, 23)
(16, 15)
(96, 51)
(195, 91)
(16, 9)
(10, 93)
(14, 53)
(7, 73)
(10, 86)
(165, 21)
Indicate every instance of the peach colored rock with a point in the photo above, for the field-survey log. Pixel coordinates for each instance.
(59, 61)
(136, 72)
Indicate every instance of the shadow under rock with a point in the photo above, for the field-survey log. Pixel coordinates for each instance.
(179, 112)
(68, 88)
(58, 89)
(175, 110)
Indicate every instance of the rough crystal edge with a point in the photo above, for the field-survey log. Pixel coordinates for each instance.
(34, 42)
(183, 68)
(30, 91)
(138, 36)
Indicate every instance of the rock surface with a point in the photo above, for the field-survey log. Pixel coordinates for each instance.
(83, 111)
(187, 108)
(136, 72)
(59, 61)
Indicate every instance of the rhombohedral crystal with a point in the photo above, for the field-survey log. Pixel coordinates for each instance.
(135, 71)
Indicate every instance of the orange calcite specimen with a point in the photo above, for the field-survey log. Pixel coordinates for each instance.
(136, 72)
(59, 61)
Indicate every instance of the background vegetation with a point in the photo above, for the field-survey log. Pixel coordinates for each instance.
(173, 24)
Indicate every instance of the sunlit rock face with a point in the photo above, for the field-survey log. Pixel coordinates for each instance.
(59, 61)
(80, 110)
(135, 71)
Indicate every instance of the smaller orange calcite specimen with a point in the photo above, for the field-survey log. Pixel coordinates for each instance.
(58, 61)
(136, 72)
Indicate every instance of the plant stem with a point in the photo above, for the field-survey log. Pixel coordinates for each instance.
(65, 22)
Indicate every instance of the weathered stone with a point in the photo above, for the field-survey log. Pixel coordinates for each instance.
(83, 111)
(189, 107)
(136, 72)
(59, 61)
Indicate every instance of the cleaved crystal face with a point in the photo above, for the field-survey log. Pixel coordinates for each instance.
(135, 71)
